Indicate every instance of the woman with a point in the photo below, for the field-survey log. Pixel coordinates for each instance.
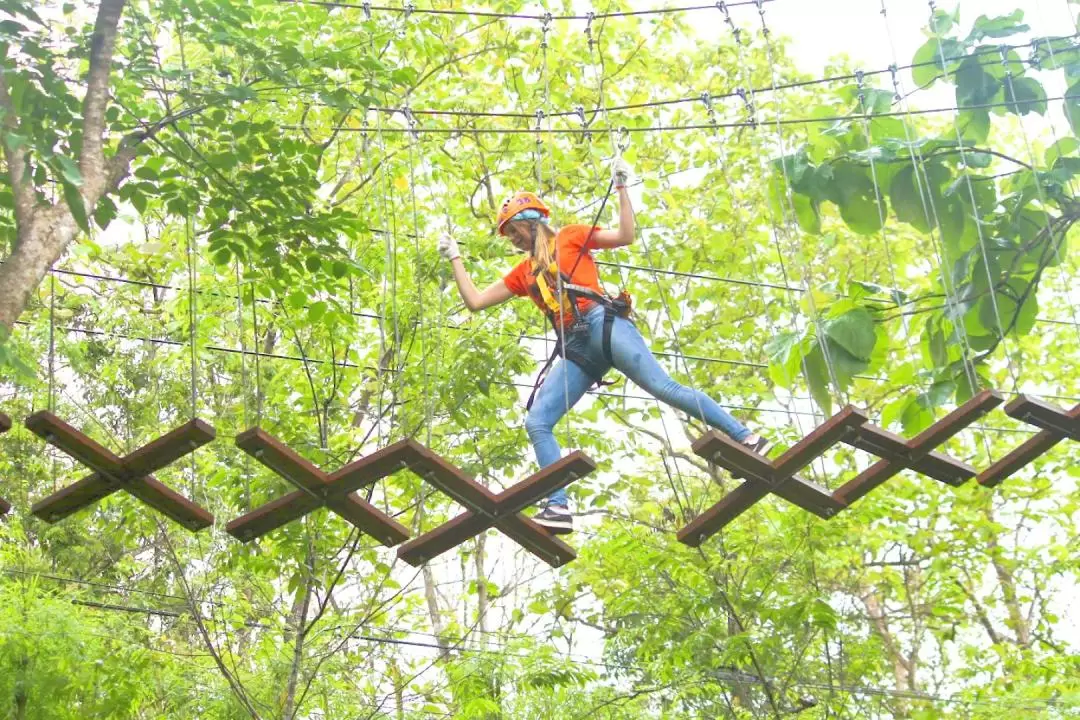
(579, 316)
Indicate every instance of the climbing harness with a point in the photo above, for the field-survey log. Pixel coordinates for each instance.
(556, 308)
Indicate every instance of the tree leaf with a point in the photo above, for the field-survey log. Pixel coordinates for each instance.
(930, 58)
(1024, 96)
(817, 378)
(74, 199)
(998, 27)
(1072, 107)
(855, 332)
(70, 170)
(974, 86)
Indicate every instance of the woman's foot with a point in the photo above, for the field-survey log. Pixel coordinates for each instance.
(556, 519)
(756, 443)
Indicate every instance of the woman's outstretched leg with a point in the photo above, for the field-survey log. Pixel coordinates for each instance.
(633, 358)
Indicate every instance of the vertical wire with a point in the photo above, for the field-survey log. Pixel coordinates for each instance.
(1035, 175)
(616, 152)
(428, 397)
(192, 324)
(560, 329)
(52, 368)
(751, 101)
(883, 219)
(933, 221)
(245, 385)
(785, 209)
(258, 354)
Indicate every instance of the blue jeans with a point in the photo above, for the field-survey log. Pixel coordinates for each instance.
(567, 383)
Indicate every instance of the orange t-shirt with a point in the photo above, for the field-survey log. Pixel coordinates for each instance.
(568, 244)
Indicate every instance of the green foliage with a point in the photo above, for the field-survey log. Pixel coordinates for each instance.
(993, 224)
(313, 246)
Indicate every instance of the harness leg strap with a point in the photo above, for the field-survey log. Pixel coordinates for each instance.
(609, 322)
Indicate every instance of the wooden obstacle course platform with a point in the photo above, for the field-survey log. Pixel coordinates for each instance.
(131, 473)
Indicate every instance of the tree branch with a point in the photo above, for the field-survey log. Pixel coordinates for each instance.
(102, 46)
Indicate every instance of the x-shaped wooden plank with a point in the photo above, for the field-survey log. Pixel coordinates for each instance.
(5, 425)
(764, 477)
(502, 510)
(917, 454)
(317, 488)
(1056, 424)
(131, 473)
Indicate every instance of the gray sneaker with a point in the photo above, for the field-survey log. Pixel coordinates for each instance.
(556, 519)
(756, 443)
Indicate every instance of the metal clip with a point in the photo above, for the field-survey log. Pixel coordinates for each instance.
(622, 139)
(366, 5)
(860, 82)
(706, 98)
(589, 17)
(411, 120)
(735, 30)
(894, 71)
(540, 115)
(1004, 50)
(410, 8)
(748, 103)
(580, 112)
(546, 25)
(761, 11)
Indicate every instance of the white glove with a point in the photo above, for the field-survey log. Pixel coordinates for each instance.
(448, 248)
(620, 172)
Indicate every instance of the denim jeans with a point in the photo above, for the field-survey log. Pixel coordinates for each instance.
(567, 383)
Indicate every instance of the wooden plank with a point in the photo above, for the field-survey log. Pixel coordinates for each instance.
(1046, 416)
(733, 456)
(59, 434)
(369, 519)
(274, 514)
(74, 497)
(1033, 448)
(369, 469)
(810, 497)
(943, 468)
(170, 503)
(469, 524)
(280, 458)
(880, 442)
(453, 482)
(823, 437)
(504, 515)
(731, 506)
(540, 484)
(168, 448)
(866, 481)
(958, 420)
(449, 535)
(538, 541)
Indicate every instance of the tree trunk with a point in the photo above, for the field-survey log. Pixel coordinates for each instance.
(44, 232)
(901, 668)
(481, 589)
(299, 622)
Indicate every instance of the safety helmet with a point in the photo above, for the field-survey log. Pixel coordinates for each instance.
(520, 201)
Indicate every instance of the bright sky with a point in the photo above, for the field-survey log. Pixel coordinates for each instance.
(823, 29)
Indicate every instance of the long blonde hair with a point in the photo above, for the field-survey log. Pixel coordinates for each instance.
(542, 249)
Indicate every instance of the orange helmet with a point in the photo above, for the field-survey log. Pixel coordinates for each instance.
(520, 201)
